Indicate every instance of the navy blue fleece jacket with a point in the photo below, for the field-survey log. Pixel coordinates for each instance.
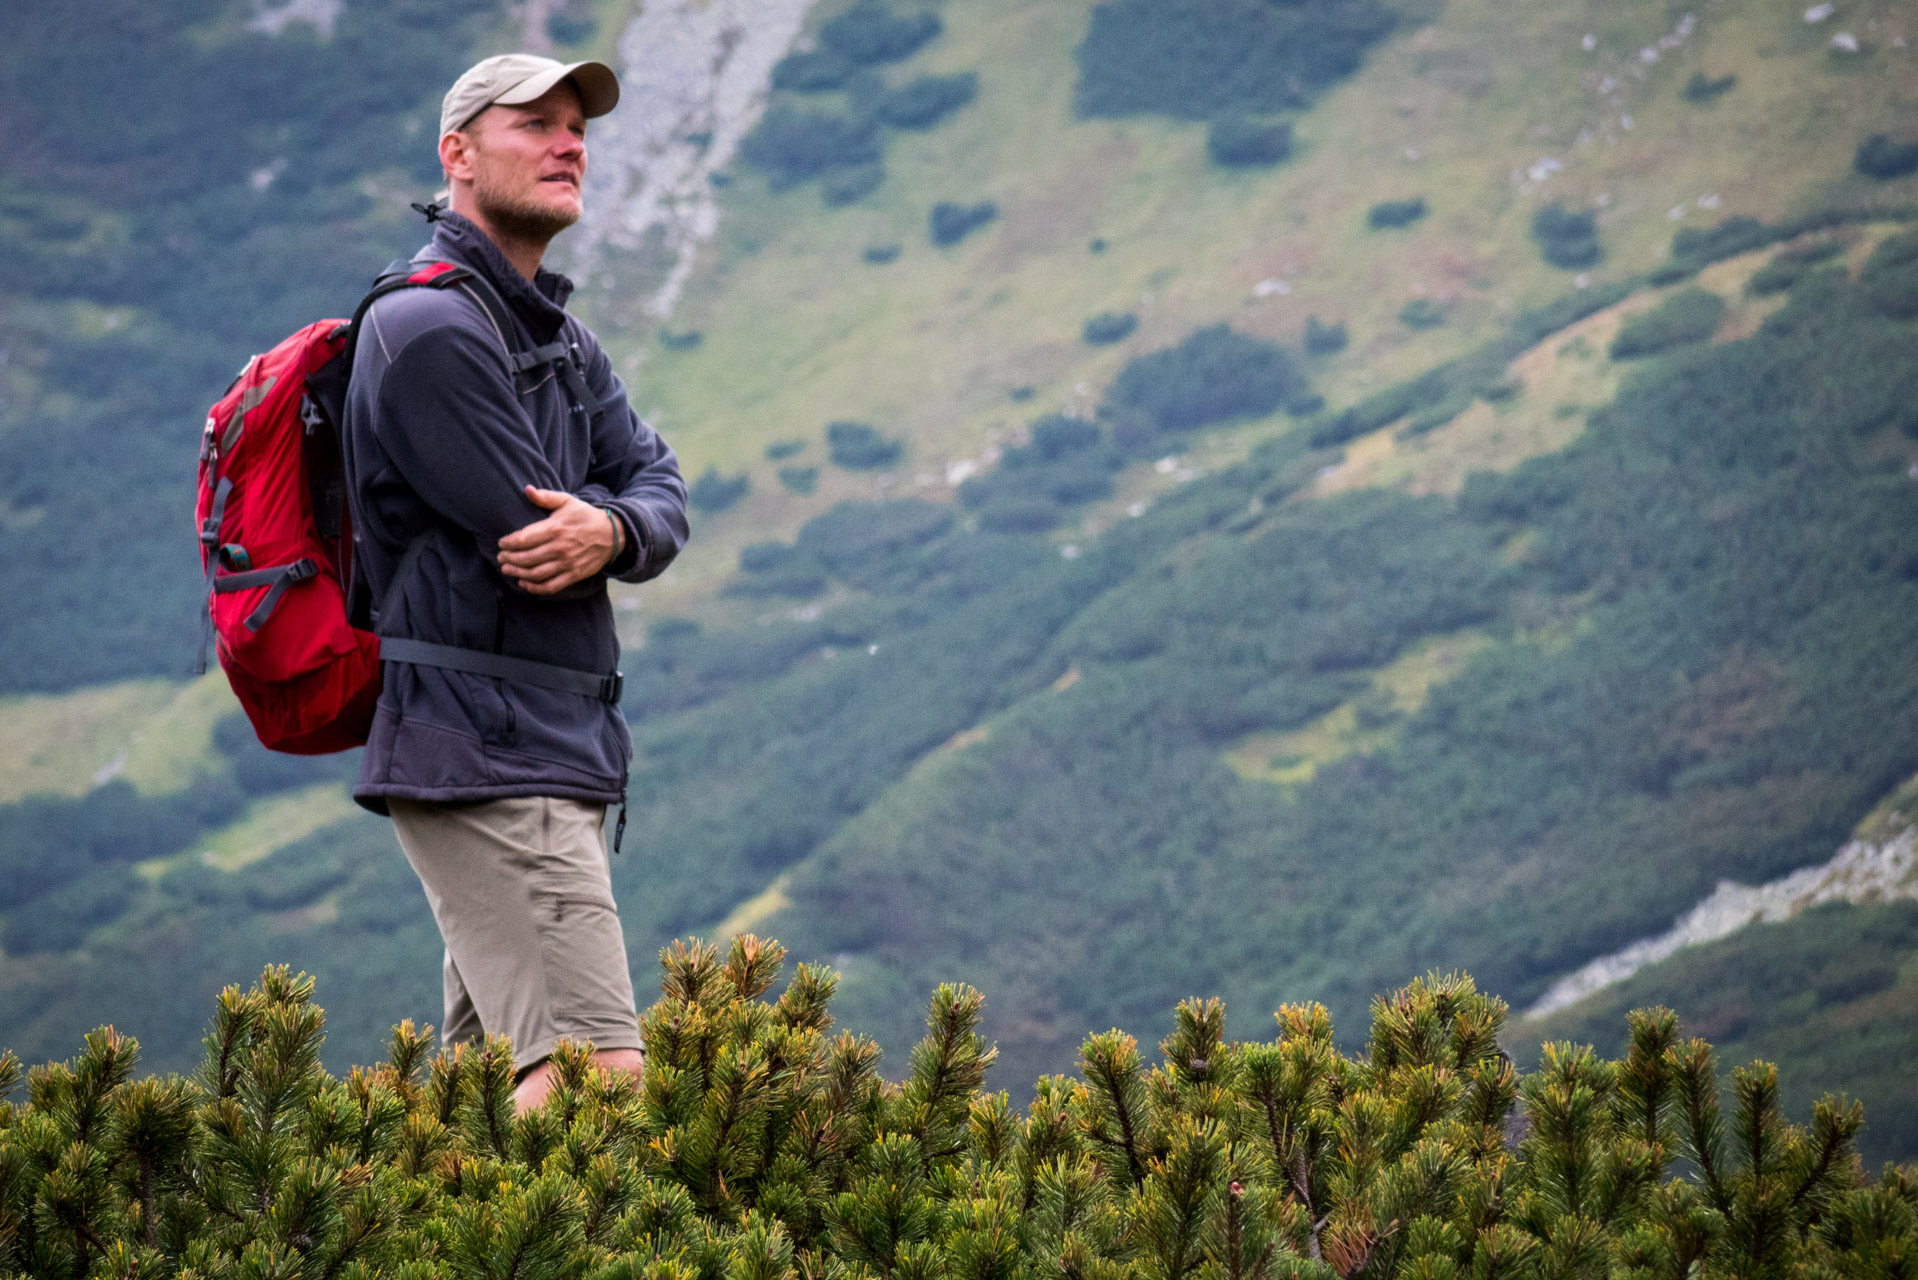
(441, 437)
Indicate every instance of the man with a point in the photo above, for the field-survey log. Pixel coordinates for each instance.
(493, 497)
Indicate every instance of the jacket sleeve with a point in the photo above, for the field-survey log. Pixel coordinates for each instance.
(453, 426)
(635, 475)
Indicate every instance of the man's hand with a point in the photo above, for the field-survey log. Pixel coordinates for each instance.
(571, 545)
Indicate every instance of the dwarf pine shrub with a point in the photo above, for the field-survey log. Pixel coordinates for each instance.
(950, 222)
(1395, 213)
(798, 479)
(1323, 339)
(1880, 157)
(1421, 313)
(1242, 142)
(870, 33)
(1566, 238)
(1702, 88)
(712, 493)
(763, 1145)
(793, 146)
(1108, 327)
(858, 446)
(1890, 276)
(1688, 316)
(1215, 374)
(924, 102)
(1789, 266)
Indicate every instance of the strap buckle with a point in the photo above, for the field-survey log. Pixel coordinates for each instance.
(613, 688)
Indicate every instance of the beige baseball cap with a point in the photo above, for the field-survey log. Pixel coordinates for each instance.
(517, 78)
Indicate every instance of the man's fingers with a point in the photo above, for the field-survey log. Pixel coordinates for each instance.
(552, 554)
(531, 536)
(539, 572)
(540, 553)
(548, 586)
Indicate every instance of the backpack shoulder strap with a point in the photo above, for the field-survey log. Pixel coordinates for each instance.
(564, 357)
(403, 273)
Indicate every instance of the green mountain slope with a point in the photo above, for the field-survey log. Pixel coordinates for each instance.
(1114, 686)
(1831, 997)
(182, 188)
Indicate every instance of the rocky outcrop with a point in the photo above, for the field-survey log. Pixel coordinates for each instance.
(694, 75)
(1865, 870)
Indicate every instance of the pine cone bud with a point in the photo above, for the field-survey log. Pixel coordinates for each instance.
(1197, 1067)
(1237, 1190)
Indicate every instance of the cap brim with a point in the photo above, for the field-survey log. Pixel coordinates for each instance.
(598, 87)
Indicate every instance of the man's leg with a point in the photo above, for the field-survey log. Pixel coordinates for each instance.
(537, 1083)
(462, 1023)
(522, 893)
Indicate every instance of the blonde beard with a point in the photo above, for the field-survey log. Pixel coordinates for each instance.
(515, 216)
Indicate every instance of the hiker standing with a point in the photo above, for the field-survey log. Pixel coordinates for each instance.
(498, 478)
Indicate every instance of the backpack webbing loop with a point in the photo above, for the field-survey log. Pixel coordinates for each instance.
(209, 552)
(279, 576)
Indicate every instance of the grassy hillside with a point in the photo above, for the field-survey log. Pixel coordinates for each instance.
(1504, 683)
(798, 330)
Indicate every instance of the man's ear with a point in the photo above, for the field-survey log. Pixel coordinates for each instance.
(455, 155)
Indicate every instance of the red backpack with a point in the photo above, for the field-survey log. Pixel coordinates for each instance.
(276, 536)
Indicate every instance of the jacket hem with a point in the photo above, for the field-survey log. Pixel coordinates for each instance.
(373, 796)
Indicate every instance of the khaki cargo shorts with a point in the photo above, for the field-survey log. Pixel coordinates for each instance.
(522, 892)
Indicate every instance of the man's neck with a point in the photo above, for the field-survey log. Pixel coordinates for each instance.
(524, 254)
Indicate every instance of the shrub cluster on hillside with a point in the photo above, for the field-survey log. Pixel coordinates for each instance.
(1880, 157)
(1242, 142)
(844, 146)
(1109, 326)
(1688, 316)
(1215, 374)
(1421, 313)
(712, 493)
(1067, 463)
(794, 144)
(1322, 339)
(760, 1146)
(1789, 266)
(949, 222)
(1702, 88)
(1395, 213)
(1890, 276)
(864, 544)
(1204, 59)
(866, 35)
(1566, 238)
(797, 479)
(858, 446)
(922, 103)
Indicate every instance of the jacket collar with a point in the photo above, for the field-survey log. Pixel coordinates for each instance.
(539, 304)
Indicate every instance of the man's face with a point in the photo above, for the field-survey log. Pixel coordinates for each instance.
(526, 163)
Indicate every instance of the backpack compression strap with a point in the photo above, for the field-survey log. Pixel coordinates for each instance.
(478, 662)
